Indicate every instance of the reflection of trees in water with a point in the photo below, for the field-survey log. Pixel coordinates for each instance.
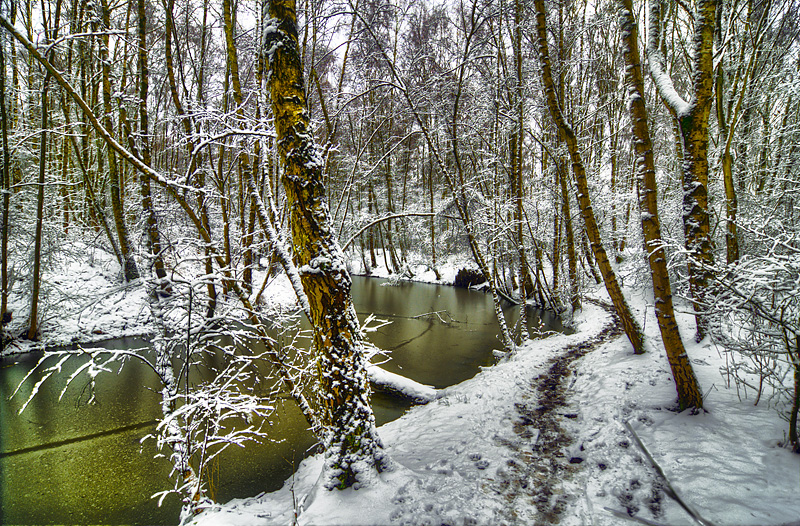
(428, 327)
(421, 342)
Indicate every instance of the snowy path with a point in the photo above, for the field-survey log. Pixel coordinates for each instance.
(541, 464)
(504, 447)
(473, 456)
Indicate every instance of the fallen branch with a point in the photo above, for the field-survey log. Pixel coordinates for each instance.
(624, 515)
(398, 385)
(668, 489)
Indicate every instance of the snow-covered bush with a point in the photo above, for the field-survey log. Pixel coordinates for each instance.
(756, 319)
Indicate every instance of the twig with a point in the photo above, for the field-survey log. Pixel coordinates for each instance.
(668, 489)
(438, 314)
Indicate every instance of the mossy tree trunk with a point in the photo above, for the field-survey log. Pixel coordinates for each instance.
(689, 394)
(572, 258)
(692, 119)
(351, 443)
(629, 324)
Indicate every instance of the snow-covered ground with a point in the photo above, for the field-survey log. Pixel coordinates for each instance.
(727, 463)
(453, 458)
(83, 300)
(462, 460)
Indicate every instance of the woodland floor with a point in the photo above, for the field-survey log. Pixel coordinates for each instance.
(538, 471)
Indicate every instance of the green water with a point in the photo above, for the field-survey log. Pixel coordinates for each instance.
(71, 462)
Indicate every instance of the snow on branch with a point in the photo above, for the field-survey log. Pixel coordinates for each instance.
(655, 59)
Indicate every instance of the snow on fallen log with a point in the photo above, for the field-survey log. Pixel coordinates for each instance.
(383, 380)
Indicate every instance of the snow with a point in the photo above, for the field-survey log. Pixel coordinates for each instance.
(92, 303)
(726, 463)
(453, 458)
(457, 459)
(406, 387)
(419, 271)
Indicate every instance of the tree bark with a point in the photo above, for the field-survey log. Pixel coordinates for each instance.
(692, 118)
(517, 147)
(572, 259)
(130, 270)
(5, 187)
(33, 321)
(689, 394)
(629, 324)
(199, 179)
(351, 443)
(151, 220)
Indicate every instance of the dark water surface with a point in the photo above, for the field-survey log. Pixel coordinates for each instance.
(71, 462)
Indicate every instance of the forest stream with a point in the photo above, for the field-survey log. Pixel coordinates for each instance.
(75, 462)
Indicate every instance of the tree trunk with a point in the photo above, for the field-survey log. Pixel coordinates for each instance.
(794, 352)
(371, 234)
(151, 220)
(36, 281)
(351, 443)
(692, 118)
(245, 166)
(572, 260)
(199, 180)
(5, 316)
(517, 144)
(432, 210)
(130, 270)
(629, 324)
(689, 394)
(65, 185)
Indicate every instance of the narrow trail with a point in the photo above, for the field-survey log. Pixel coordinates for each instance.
(540, 462)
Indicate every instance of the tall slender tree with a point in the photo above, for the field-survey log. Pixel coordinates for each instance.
(692, 119)
(151, 219)
(689, 394)
(5, 316)
(629, 324)
(352, 445)
(130, 270)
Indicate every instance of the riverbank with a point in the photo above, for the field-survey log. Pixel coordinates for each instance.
(474, 456)
(101, 418)
(84, 300)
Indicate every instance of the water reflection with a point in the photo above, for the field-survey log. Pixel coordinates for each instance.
(73, 462)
